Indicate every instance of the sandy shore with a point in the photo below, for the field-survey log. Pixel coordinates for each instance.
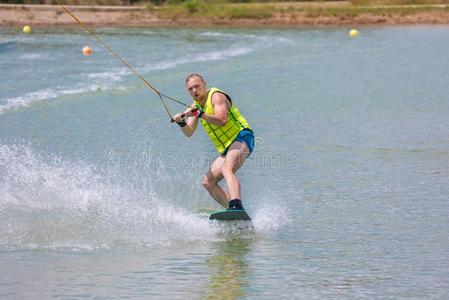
(139, 16)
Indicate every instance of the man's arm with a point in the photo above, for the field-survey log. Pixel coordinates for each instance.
(191, 122)
(221, 106)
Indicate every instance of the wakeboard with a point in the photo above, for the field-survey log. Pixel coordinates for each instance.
(227, 215)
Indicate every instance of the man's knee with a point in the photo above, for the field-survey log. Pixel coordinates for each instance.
(227, 169)
(208, 183)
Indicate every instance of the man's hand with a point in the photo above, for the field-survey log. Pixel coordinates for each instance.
(196, 111)
(188, 125)
(180, 119)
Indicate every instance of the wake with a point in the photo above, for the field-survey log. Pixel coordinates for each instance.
(47, 202)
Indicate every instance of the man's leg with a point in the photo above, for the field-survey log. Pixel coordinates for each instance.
(210, 182)
(234, 159)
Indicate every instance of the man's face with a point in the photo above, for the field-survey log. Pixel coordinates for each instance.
(196, 88)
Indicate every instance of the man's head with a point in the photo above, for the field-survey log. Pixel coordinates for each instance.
(196, 86)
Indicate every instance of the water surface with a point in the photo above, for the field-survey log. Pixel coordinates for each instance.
(99, 192)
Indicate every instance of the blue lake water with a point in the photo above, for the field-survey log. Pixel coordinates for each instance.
(348, 187)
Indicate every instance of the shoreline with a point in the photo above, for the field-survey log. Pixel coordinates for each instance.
(310, 14)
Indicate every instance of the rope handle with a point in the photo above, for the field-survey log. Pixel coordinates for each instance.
(183, 115)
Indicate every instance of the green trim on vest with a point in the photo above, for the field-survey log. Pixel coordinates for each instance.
(223, 136)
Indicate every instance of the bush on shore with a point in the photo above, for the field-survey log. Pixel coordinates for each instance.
(72, 2)
(178, 9)
(398, 2)
(192, 4)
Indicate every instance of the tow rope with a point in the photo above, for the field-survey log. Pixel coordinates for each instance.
(124, 62)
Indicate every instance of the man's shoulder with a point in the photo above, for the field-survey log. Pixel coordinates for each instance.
(218, 95)
(215, 93)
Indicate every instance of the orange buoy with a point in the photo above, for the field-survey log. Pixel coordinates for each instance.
(87, 51)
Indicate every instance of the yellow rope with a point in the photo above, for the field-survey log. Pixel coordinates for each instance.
(115, 54)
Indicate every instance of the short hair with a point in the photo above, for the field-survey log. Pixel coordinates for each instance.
(194, 75)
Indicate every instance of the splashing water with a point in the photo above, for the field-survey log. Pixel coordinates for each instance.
(48, 202)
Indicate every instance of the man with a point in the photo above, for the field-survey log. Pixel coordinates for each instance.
(228, 130)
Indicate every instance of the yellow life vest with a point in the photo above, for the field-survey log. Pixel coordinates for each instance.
(223, 136)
